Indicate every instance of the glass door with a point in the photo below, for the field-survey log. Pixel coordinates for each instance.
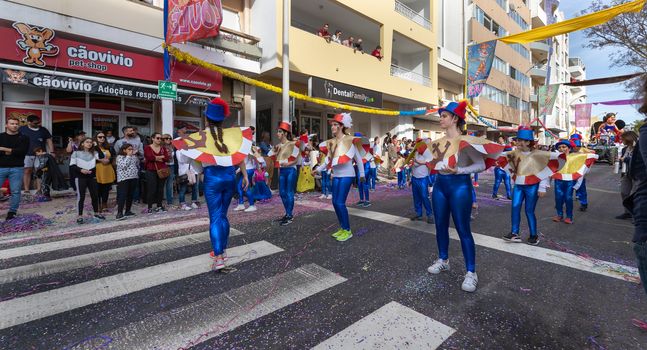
(104, 122)
(312, 124)
(64, 126)
(144, 124)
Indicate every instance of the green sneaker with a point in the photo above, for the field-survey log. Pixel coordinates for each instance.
(344, 236)
(337, 233)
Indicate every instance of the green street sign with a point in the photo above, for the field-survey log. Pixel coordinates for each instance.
(167, 89)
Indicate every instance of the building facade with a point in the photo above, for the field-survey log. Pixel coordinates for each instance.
(504, 100)
(100, 62)
(404, 79)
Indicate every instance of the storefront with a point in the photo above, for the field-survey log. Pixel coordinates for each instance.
(80, 84)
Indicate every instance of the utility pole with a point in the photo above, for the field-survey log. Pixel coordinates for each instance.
(285, 105)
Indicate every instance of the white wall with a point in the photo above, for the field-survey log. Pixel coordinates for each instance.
(264, 26)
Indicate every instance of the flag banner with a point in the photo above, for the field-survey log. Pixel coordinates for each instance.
(575, 24)
(583, 115)
(607, 80)
(190, 20)
(479, 58)
(619, 102)
(547, 97)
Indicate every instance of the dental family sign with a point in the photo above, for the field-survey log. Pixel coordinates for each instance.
(192, 20)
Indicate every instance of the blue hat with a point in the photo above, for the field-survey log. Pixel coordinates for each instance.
(577, 140)
(525, 133)
(358, 134)
(217, 110)
(507, 148)
(566, 142)
(456, 108)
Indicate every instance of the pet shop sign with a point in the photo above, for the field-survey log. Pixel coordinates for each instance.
(192, 20)
(40, 47)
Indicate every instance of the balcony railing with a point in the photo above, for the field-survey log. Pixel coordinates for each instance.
(407, 74)
(412, 15)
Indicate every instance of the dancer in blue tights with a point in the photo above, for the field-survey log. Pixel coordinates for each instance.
(286, 153)
(531, 170)
(500, 175)
(219, 171)
(342, 150)
(455, 157)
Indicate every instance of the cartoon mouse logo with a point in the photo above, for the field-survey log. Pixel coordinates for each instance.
(36, 43)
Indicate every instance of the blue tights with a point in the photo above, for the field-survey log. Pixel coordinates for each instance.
(218, 191)
(420, 188)
(401, 179)
(581, 193)
(564, 195)
(372, 177)
(529, 193)
(499, 176)
(249, 193)
(452, 194)
(287, 181)
(340, 188)
(363, 187)
(325, 183)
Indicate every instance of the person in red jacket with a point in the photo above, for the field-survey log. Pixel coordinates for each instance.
(155, 158)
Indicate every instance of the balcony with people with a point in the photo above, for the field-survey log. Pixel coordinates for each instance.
(332, 41)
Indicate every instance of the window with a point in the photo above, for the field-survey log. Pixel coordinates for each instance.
(517, 18)
(516, 75)
(521, 50)
(500, 65)
(525, 106)
(502, 4)
(488, 23)
(513, 101)
(24, 94)
(493, 94)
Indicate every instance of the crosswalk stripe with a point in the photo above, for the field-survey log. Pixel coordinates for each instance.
(103, 257)
(393, 326)
(36, 306)
(109, 224)
(220, 313)
(102, 238)
(600, 267)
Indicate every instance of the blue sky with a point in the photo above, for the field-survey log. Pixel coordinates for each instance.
(598, 65)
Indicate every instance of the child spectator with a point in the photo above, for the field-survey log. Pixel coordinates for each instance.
(377, 53)
(41, 169)
(127, 178)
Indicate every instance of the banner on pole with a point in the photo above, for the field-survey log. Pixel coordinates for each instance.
(192, 20)
(479, 58)
(547, 97)
(583, 115)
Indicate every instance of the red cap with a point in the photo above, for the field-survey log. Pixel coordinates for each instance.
(285, 126)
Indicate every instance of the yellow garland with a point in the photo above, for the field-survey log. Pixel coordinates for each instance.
(187, 58)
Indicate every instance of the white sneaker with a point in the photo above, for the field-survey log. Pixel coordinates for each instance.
(185, 207)
(470, 282)
(329, 196)
(219, 264)
(439, 266)
(194, 205)
(323, 196)
(250, 209)
(240, 207)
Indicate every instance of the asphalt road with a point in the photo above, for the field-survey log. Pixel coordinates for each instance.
(147, 284)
